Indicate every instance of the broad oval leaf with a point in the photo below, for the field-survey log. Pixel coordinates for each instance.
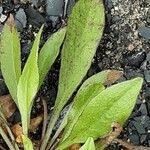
(89, 89)
(10, 59)
(83, 97)
(49, 53)
(28, 84)
(84, 31)
(114, 104)
(89, 144)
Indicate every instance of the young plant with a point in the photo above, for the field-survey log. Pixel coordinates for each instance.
(94, 107)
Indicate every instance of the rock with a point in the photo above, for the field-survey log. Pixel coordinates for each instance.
(55, 20)
(147, 75)
(21, 19)
(34, 17)
(134, 137)
(35, 2)
(26, 47)
(3, 88)
(147, 92)
(143, 138)
(1, 10)
(70, 5)
(144, 32)
(135, 59)
(3, 18)
(143, 109)
(54, 7)
(139, 127)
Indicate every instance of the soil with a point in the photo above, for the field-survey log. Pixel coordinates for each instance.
(125, 46)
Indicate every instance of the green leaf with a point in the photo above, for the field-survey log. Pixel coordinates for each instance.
(10, 59)
(27, 143)
(89, 89)
(89, 145)
(49, 52)
(104, 77)
(114, 104)
(84, 31)
(83, 97)
(28, 84)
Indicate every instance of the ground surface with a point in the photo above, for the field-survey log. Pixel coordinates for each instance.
(125, 46)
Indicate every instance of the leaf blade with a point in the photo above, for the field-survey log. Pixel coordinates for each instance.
(79, 46)
(28, 84)
(112, 102)
(89, 144)
(10, 59)
(49, 53)
(27, 143)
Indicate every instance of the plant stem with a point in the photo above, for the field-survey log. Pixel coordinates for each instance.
(6, 139)
(12, 137)
(61, 127)
(51, 124)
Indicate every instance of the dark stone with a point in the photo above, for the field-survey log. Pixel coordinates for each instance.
(26, 47)
(20, 19)
(34, 17)
(3, 88)
(1, 10)
(147, 92)
(70, 5)
(139, 127)
(134, 60)
(143, 109)
(15, 118)
(147, 75)
(55, 20)
(134, 137)
(54, 7)
(144, 32)
(143, 138)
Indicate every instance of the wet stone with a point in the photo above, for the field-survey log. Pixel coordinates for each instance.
(20, 19)
(143, 109)
(134, 137)
(147, 75)
(54, 7)
(1, 10)
(147, 92)
(144, 32)
(143, 138)
(135, 59)
(139, 127)
(70, 5)
(34, 17)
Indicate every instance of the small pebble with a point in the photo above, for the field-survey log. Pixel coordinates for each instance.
(145, 32)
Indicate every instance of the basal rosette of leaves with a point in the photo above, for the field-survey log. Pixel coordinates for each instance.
(95, 106)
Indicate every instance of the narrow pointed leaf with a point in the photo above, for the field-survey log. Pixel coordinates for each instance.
(89, 145)
(28, 84)
(10, 59)
(114, 104)
(84, 31)
(49, 53)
